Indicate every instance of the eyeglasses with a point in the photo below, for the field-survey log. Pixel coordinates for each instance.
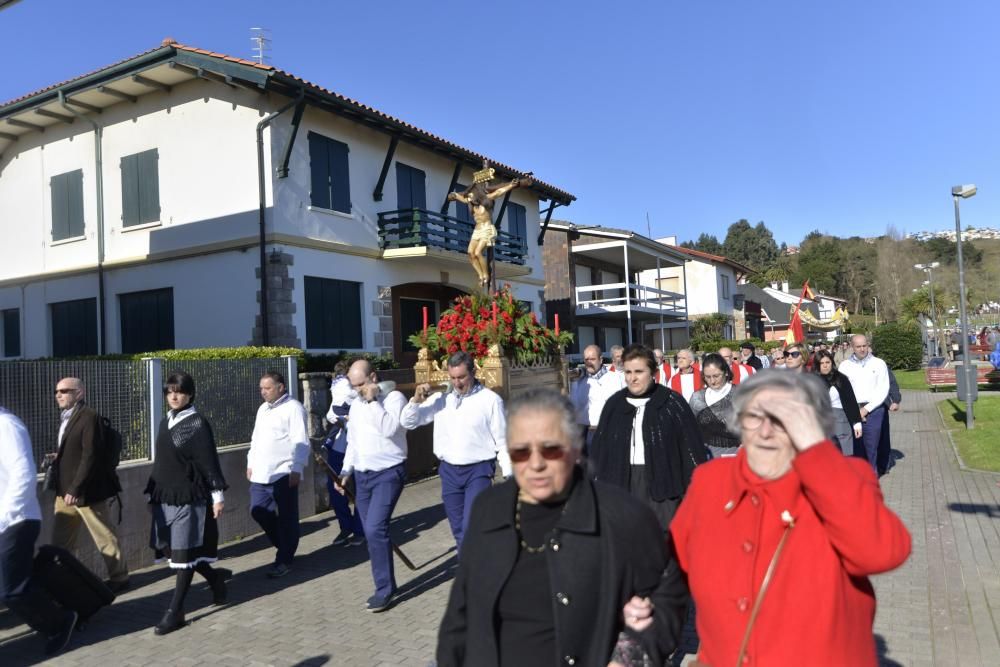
(751, 421)
(548, 452)
(794, 354)
(65, 391)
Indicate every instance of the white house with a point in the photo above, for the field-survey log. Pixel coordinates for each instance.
(709, 281)
(139, 202)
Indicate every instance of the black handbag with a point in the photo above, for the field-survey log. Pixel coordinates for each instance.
(51, 469)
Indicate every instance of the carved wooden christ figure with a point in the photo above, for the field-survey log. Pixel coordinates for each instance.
(480, 198)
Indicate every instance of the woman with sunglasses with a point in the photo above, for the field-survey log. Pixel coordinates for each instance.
(550, 557)
(795, 359)
(799, 528)
(647, 440)
(713, 406)
(846, 415)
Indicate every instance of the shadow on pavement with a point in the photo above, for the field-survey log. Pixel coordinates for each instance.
(436, 576)
(975, 508)
(315, 661)
(407, 527)
(883, 649)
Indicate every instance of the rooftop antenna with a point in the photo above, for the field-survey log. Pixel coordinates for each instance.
(260, 38)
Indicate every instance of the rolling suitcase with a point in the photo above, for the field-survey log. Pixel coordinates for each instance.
(70, 583)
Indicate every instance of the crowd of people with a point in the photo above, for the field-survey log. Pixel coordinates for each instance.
(619, 502)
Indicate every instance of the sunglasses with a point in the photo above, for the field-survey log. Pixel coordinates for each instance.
(794, 354)
(548, 452)
(64, 391)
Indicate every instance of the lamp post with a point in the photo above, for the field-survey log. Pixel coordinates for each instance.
(964, 192)
(929, 270)
(876, 310)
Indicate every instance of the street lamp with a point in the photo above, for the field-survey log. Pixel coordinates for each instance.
(876, 310)
(929, 270)
(964, 192)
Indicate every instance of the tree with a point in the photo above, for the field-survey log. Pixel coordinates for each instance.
(856, 277)
(710, 327)
(753, 246)
(819, 263)
(705, 243)
(946, 251)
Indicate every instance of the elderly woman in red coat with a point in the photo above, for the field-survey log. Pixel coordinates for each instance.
(788, 485)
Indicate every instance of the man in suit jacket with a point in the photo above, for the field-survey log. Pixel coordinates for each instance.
(86, 482)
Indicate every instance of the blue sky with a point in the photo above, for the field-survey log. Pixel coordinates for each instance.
(845, 117)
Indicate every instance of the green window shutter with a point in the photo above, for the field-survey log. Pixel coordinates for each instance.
(12, 332)
(147, 320)
(340, 178)
(60, 210)
(74, 328)
(149, 185)
(319, 171)
(130, 190)
(333, 313)
(74, 201)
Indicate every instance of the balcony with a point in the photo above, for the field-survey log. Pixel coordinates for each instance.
(418, 232)
(610, 299)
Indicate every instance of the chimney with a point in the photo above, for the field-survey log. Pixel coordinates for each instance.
(774, 285)
(668, 240)
(784, 286)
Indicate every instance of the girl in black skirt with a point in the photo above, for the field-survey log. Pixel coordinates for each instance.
(185, 492)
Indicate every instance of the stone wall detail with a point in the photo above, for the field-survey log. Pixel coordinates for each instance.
(280, 303)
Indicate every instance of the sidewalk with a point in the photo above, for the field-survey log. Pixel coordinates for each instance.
(938, 609)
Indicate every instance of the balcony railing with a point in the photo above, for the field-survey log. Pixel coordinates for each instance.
(417, 227)
(609, 298)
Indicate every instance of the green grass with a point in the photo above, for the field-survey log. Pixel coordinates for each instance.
(980, 447)
(911, 379)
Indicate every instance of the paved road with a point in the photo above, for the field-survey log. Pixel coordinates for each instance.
(938, 609)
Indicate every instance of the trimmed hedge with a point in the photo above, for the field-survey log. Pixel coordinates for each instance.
(899, 345)
(307, 363)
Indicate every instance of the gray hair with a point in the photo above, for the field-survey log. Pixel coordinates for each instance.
(617, 348)
(806, 386)
(544, 399)
(687, 351)
(462, 358)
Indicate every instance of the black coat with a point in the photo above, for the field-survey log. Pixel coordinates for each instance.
(186, 468)
(83, 463)
(606, 547)
(672, 441)
(847, 397)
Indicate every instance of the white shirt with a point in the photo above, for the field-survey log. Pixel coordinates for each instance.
(280, 441)
(637, 455)
(713, 396)
(467, 429)
(687, 385)
(589, 394)
(869, 379)
(617, 379)
(64, 418)
(375, 438)
(341, 394)
(18, 497)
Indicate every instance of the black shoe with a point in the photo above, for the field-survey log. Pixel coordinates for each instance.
(220, 594)
(342, 538)
(117, 587)
(57, 642)
(378, 603)
(278, 570)
(170, 622)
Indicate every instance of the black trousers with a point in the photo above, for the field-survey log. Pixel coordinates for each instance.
(32, 604)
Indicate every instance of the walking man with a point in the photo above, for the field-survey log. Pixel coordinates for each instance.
(687, 379)
(470, 437)
(591, 391)
(87, 484)
(741, 371)
(883, 461)
(376, 457)
(869, 378)
(341, 397)
(279, 450)
(20, 523)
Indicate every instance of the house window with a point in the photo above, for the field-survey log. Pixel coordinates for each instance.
(410, 189)
(724, 286)
(140, 188)
(333, 313)
(331, 187)
(74, 327)
(67, 205)
(147, 320)
(517, 222)
(411, 318)
(462, 210)
(12, 332)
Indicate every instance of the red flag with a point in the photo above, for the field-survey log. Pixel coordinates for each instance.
(795, 333)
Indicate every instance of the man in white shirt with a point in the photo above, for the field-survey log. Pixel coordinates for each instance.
(687, 379)
(352, 532)
(740, 370)
(376, 457)
(869, 378)
(469, 437)
(591, 391)
(279, 451)
(20, 523)
(663, 369)
(617, 369)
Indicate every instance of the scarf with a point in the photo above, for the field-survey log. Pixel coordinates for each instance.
(675, 381)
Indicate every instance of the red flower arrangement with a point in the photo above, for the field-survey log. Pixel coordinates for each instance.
(476, 321)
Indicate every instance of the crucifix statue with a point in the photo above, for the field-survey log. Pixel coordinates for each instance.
(480, 197)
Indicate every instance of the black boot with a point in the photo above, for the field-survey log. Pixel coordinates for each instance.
(217, 580)
(172, 620)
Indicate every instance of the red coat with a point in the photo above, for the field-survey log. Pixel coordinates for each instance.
(820, 606)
